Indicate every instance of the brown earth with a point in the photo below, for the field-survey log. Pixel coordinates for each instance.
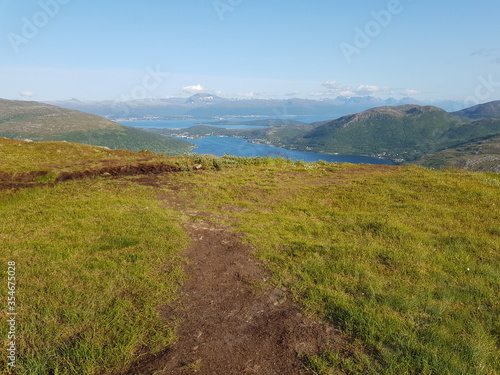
(24, 177)
(28, 179)
(232, 320)
(119, 171)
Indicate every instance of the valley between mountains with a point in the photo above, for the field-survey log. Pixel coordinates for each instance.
(409, 133)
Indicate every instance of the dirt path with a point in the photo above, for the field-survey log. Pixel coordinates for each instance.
(232, 321)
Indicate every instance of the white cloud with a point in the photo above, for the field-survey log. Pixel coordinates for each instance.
(334, 88)
(26, 94)
(410, 92)
(253, 94)
(337, 89)
(196, 89)
(493, 54)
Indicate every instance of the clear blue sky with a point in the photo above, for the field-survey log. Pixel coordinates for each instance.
(62, 49)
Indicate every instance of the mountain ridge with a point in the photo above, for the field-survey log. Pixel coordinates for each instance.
(37, 121)
(402, 133)
(482, 111)
(201, 106)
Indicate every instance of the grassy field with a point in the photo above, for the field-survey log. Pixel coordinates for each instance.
(55, 157)
(94, 261)
(405, 261)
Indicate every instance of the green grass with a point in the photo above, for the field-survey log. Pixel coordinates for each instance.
(94, 259)
(406, 261)
(18, 156)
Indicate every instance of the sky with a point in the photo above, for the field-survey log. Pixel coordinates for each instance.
(315, 49)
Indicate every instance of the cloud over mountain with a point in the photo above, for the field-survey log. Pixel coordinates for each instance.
(196, 89)
(334, 88)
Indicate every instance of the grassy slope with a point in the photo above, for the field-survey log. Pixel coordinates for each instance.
(479, 155)
(126, 138)
(406, 260)
(94, 260)
(403, 259)
(42, 162)
(486, 110)
(43, 122)
(53, 157)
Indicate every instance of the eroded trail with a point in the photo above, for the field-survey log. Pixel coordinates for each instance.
(231, 320)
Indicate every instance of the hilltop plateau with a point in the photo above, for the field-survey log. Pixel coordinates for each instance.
(140, 263)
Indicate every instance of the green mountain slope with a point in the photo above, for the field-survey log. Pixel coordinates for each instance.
(402, 133)
(486, 110)
(43, 122)
(477, 155)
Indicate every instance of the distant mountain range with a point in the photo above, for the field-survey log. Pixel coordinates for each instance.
(212, 106)
(35, 121)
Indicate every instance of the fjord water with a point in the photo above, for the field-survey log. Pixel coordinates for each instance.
(219, 146)
(240, 147)
(181, 124)
(186, 123)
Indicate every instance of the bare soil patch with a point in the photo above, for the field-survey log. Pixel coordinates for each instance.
(29, 179)
(119, 171)
(23, 177)
(231, 320)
